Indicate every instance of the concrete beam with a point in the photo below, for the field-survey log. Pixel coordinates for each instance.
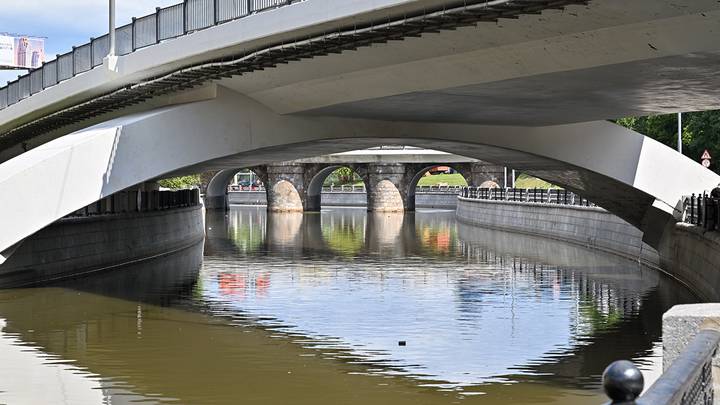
(630, 175)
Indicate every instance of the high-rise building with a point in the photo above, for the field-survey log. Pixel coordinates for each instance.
(21, 52)
(35, 59)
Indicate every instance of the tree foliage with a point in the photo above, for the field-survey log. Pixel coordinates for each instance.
(180, 183)
(342, 176)
(700, 131)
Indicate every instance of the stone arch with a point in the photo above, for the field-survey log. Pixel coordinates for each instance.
(386, 191)
(315, 178)
(418, 171)
(216, 194)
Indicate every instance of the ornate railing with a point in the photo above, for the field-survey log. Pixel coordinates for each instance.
(531, 195)
(688, 380)
(166, 23)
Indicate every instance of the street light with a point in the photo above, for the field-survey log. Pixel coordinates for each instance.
(111, 15)
(679, 145)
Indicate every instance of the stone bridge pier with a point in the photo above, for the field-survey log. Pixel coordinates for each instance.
(297, 187)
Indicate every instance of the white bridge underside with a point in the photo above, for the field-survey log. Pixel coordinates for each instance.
(635, 177)
(525, 93)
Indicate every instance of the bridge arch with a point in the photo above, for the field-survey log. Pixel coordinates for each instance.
(421, 170)
(636, 178)
(316, 180)
(216, 193)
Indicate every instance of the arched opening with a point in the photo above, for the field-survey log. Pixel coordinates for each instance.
(434, 181)
(339, 185)
(235, 186)
(246, 180)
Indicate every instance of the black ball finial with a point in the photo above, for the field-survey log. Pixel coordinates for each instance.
(622, 381)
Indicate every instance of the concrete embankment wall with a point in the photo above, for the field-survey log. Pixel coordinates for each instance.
(591, 227)
(692, 255)
(74, 246)
(348, 199)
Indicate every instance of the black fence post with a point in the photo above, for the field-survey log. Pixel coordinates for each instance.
(705, 211)
(692, 208)
(157, 25)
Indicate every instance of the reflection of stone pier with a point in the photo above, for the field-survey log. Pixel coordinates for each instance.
(384, 234)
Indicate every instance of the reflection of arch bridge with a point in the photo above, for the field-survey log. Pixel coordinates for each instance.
(252, 91)
(390, 177)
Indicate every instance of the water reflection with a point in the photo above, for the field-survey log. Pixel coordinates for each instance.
(310, 309)
(549, 309)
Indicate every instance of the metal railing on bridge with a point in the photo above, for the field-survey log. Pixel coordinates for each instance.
(139, 201)
(702, 210)
(442, 189)
(688, 380)
(166, 23)
(531, 195)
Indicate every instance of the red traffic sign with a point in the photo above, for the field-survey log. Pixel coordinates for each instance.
(705, 155)
(706, 163)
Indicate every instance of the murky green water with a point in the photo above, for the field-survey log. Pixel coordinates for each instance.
(312, 309)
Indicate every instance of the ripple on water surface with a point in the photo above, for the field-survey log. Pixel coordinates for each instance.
(339, 307)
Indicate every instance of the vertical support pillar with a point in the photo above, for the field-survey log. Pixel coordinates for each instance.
(486, 175)
(285, 188)
(386, 187)
(111, 28)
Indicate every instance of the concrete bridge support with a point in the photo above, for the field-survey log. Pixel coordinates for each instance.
(387, 187)
(285, 187)
(484, 174)
(295, 187)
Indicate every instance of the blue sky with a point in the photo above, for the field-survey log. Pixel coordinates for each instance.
(66, 22)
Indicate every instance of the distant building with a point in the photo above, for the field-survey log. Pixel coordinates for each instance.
(35, 59)
(21, 52)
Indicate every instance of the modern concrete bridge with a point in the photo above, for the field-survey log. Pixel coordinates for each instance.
(390, 176)
(521, 83)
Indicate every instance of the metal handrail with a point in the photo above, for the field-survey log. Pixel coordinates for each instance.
(702, 210)
(527, 195)
(688, 380)
(166, 23)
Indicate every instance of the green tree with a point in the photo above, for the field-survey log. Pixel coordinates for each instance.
(701, 130)
(183, 182)
(341, 176)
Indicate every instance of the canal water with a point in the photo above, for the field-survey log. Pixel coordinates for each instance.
(340, 307)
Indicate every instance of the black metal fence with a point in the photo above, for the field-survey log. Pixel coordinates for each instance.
(533, 195)
(688, 380)
(166, 23)
(702, 210)
(139, 201)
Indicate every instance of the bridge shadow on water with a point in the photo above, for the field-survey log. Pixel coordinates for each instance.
(311, 306)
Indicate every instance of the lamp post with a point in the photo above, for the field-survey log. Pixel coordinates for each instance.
(679, 141)
(111, 15)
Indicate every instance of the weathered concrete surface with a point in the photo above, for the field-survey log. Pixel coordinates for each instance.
(680, 325)
(75, 246)
(592, 227)
(692, 256)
